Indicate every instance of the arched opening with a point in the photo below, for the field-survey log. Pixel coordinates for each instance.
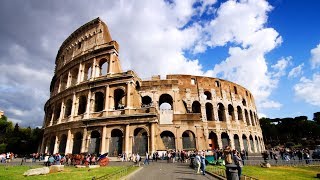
(251, 143)
(48, 116)
(196, 107)
(63, 144)
(245, 143)
(257, 144)
(138, 86)
(64, 80)
(165, 102)
(251, 117)
(213, 140)
(244, 103)
(57, 111)
(247, 117)
(208, 95)
(240, 115)
(225, 139)
(99, 102)
(146, 101)
(231, 112)
(51, 145)
(94, 146)
(140, 141)
(77, 141)
(237, 142)
(119, 100)
(168, 140)
(56, 87)
(82, 104)
(188, 140)
(221, 113)
(68, 108)
(209, 111)
(103, 67)
(74, 76)
(116, 141)
(87, 71)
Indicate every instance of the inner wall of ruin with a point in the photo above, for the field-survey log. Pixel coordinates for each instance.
(95, 107)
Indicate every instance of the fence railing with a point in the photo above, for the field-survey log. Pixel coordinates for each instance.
(281, 162)
(116, 175)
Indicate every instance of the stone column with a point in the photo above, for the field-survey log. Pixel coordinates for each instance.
(51, 120)
(61, 112)
(110, 67)
(56, 145)
(127, 139)
(74, 99)
(103, 140)
(179, 144)
(255, 145)
(219, 140)
(84, 140)
(106, 101)
(153, 134)
(107, 144)
(249, 144)
(128, 105)
(69, 79)
(197, 139)
(231, 137)
(80, 74)
(59, 88)
(87, 115)
(93, 74)
(241, 142)
(69, 143)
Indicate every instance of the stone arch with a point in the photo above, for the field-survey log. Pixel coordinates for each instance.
(245, 143)
(119, 100)
(165, 102)
(68, 108)
(236, 142)
(63, 144)
(251, 143)
(77, 141)
(209, 112)
(213, 140)
(98, 101)
(225, 139)
(244, 103)
(240, 115)
(146, 101)
(168, 139)
(251, 117)
(82, 104)
(221, 112)
(103, 67)
(247, 117)
(231, 112)
(196, 107)
(87, 71)
(94, 146)
(116, 142)
(57, 110)
(74, 76)
(188, 140)
(208, 95)
(140, 141)
(257, 144)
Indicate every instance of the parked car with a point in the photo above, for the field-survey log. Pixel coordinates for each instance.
(316, 153)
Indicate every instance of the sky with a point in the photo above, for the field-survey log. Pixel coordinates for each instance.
(270, 47)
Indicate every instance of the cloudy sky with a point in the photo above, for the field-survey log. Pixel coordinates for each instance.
(270, 47)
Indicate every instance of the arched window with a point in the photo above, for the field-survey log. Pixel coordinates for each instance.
(77, 140)
(87, 71)
(64, 80)
(225, 139)
(116, 142)
(138, 86)
(188, 140)
(63, 144)
(244, 103)
(237, 142)
(252, 120)
(119, 100)
(240, 115)
(103, 67)
(165, 102)
(221, 113)
(74, 76)
(231, 112)
(208, 94)
(209, 111)
(196, 107)
(247, 117)
(146, 101)
(94, 146)
(82, 104)
(245, 142)
(68, 108)
(168, 140)
(99, 102)
(57, 111)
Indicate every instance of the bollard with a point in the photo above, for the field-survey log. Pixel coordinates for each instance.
(231, 172)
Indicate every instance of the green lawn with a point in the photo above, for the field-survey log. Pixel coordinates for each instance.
(15, 173)
(279, 172)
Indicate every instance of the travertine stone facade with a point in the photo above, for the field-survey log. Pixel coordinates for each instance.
(95, 107)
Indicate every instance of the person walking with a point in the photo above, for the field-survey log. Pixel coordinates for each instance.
(238, 161)
(203, 164)
(147, 159)
(198, 161)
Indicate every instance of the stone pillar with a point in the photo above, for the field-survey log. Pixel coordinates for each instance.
(74, 99)
(80, 74)
(84, 141)
(241, 142)
(59, 88)
(249, 144)
(103, 140)
(127, 139)
(94, 67)
(219, 140)
(107, 144)
(61, 112)
(231, 137)
(56, 145)
(255, 145)
(87, 115)
(153, 134)
(197, 139)
(128, 105)
(69, 143)
(69, 79)
(51, 120)
(106, 101)
(110, 67)
(179, 144)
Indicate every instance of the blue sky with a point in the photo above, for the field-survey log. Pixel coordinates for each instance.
(270, 47)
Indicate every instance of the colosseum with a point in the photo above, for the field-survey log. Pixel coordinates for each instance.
(95, 107)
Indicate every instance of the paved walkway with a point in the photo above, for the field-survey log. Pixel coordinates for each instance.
(168, 171)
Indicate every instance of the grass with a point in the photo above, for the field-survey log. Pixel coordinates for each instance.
(16, 173)
(279, 172)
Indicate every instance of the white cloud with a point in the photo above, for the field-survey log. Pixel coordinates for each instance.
(270, 104)
(280, 66)
(296, 71)
(261, 115)
(308, 89)
(315, 57)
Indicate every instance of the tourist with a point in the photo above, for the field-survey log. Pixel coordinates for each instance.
(147, 159)
(238, 161)
(227, 158)
(198, 161)
(203, 164)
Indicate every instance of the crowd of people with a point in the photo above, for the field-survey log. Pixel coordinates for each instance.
(7, 157)
(287, 154)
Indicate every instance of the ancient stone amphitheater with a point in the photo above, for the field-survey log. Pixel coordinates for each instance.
(96, 107)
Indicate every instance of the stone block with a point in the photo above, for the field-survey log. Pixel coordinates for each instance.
(80, 166)
(56, 168)
(93, 166)
(37, 171)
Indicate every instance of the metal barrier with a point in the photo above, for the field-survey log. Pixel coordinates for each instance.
(116, 175)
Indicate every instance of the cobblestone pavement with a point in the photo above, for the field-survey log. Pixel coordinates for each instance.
(168, 171)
